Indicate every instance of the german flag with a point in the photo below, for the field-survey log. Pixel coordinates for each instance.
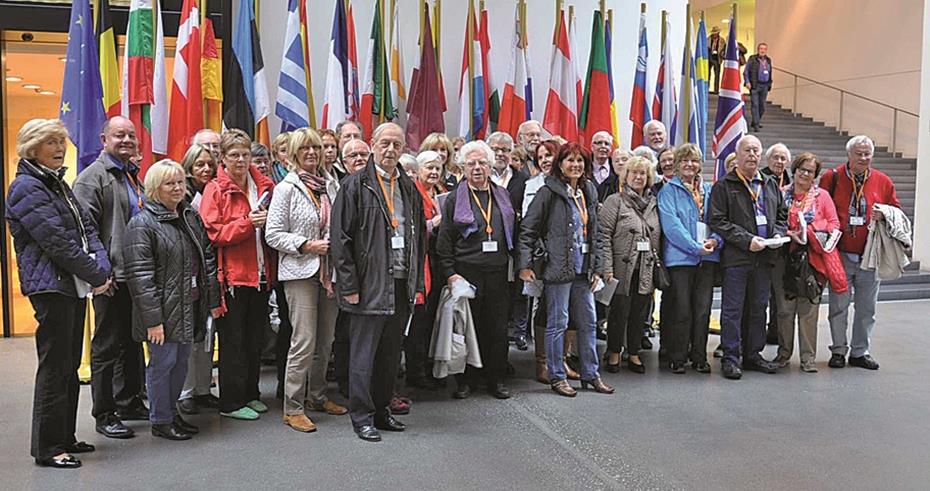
(109, 70)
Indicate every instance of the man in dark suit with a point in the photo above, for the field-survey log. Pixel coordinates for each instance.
(602, 171)
(757, 77)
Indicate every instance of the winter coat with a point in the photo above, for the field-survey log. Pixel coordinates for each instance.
(101, 190)
(293, 219)
(878, 189)
(225, 211)
(454, 342)
(547, 242)
(621, 229)
(732, 215)
(678, 214)
(361, 242)
(49, 229)
(161, 248)
(888, 244)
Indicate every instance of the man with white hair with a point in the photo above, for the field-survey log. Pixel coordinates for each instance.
(529, 134)
(355, 155)
(655, 135)
(209, 139)
(605, 179)
(746, 208)
(856, 188)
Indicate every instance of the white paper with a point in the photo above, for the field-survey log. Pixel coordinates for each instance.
(803, 221)
(702, 232)
(533, 288)
(776, 242)
(606, 294)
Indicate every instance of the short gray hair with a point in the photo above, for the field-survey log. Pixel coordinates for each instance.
(501, 136)
(605, 133)
(524, 125)
(778, 146)
(647, 153)
(653, 122)
(473, 146)
(859, 140)
(342, 124)
(157, 174)
(409, 162)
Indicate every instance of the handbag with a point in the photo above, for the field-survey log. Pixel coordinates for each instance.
(801, 279)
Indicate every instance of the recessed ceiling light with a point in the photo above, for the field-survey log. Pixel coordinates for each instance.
(725, 21)
(46, 92)
(32, 86)
(13, 78)
(63, 59)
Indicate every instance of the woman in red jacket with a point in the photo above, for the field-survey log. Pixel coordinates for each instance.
(234, 209)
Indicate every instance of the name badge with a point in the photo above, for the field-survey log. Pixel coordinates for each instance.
(643, 246)
(489, 246)
(584, 248)
(193, 282)
(761, 220)
(397, 242)
(857, 221)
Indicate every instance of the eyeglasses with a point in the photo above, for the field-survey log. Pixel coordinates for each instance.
(355, 155)
(811, 172)
(501, 149)
(472, 163)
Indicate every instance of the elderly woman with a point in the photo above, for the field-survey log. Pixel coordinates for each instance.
(171, 275)
(619, 158)
(200, 167)
(665, 168)
(298, 227)
(279, 166)
(261, 158)
(558, 238)
(629, 239)
(777, 158)
(440, 143)
(60, 259)
(410, 165)
(234, 210)
(474, 244)
(692, 254)
(805, 199)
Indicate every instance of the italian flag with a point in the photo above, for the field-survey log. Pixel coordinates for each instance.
(376, 105)
(187, 89)
(595, 112)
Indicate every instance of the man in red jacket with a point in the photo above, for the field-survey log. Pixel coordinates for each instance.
(856, 188)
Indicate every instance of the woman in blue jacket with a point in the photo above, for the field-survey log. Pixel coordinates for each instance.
(691, 255)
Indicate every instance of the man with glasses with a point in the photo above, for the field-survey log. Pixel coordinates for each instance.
(529, 136)
(209, 139)
(378, 245)
(603, 172)
(355, 155)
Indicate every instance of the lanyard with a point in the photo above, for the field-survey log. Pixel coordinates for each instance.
(485, 214)
(858, 191)
(389, 199)
(135, 187)
(583, 211)
(753, 193)
(313, 198)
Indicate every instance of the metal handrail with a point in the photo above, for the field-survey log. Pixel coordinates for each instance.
(843, 94)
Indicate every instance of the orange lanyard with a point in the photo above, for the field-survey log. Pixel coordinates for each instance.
(858, 191)
(583, 211)
(485, 214)
(755, 194)
(389, 199)
(135, 187)
(313, 198)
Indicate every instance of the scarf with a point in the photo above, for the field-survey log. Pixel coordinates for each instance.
(430, 210)
(635, 200)
(464, 216)
(697, 192)
(316, 185)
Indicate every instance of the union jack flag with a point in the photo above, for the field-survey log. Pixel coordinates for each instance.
(729, 126)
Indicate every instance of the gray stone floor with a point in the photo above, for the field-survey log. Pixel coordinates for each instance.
(838, 429)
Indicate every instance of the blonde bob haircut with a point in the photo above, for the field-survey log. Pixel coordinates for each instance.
(235, 138)
(688, 151)
(36, 132)
(157, 174)
(191, 156)
(279, 140)
(302, 138)
(435, 141)
(638, 163)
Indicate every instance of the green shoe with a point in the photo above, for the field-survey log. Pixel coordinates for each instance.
(257, 406)
(244, 413)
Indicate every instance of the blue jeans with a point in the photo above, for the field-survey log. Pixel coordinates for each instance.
(577, 296)
(164, 379)
(864, 293)
(745, 294)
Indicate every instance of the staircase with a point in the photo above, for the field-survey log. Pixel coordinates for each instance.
(802, 134)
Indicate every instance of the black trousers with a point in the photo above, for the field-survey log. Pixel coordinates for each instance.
(282, 343)
(416, 345)
(490, 311)
(116, 362)
(241, 331)
(627, 315)
(341, 350)
(59, 338)
(714, 72)
(693, 290)
(375, 342)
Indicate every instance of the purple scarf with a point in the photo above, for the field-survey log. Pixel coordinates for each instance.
(464, 216)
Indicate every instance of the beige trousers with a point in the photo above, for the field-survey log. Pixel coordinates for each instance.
(313, 316)
(806, 312)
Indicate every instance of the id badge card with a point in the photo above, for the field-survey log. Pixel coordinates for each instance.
(397, 242)
(761, 220)
(584, 247)
(489, 246)
(193, 282)
(856, 221)
(642, 246)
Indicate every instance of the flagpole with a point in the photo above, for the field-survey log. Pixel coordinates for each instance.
(664, 20)
(642, 8)
(524, 38)
(469, 40)
(391, 23)
(686, 78)
(558, 22)
(422, 19)
(603, 9)
(437, 16)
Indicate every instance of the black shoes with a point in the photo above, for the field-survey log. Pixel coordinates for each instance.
(864, 361)
(188, 406)
(112, 427)
(636, 367)
(208, 401)
(646, 344)
(135, 413)
(80, 447)
(520, 342)
(837, 361)
(718, 351)
(184, 426)
(170, 432)
(368, 433)
(731, 371)
(760, 365)
(462, 392)
(677, 368)
(389, 424)
(702, 367)
(499, 390)
(61, 462)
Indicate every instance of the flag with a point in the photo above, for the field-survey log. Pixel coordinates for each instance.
(702, 85)
(492, 106)
(595, 113)
(640, 112)
(561, 103)
(245, 92)
(336, 93)
(291, 103)
(109, 69)
(424, 113)
(730, 125)
(187, 89)
(352, 88)
(686, 119)
(665, 101)
(305, 47)
(145, 100)
(81, 108)
(472, 99)
(211, 70)
(608, 43)
(398, 88)
(260, 101)
(517, 101)
(576, 69)
(376, 106)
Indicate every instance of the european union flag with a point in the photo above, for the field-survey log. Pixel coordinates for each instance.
(82, 91)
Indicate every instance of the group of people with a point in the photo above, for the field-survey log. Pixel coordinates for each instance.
(357, 248)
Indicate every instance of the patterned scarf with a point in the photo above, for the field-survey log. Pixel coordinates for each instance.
(316, 185)
(697, 192)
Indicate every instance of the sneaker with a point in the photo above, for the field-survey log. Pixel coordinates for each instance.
(257, 406)
(864, 361)
(244, 413)
(299, 422)
(837, 361)
(809, 366)
(781, 362)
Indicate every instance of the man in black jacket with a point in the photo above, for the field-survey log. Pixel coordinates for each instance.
(746, 208)
(757, 77)
(378, 235)
(602, 170)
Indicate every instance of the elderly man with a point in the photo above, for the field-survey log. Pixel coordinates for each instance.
(111, 192)
(209, 139)
(655, 135)
(379, 240)
(355, 155)
(777, 161)
(346, 131)
(746, 208)
(758, 77)
(856, 188)
(602, 170)
(529, 135)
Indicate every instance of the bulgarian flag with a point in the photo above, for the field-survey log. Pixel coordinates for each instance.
(595, 112)
(560, 118)
(376, 106)
(211, 70)
(145, 100)
(187, 89)
(109, 69)
(517, 102)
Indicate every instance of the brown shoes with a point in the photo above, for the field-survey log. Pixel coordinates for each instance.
(542, 373)
(598, 386)
(563, 389)
(328, 407)
(570, 373)
(299, 422)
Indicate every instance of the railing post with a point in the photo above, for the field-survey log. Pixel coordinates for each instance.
(840, 127)
(894, 132)
(794, 106)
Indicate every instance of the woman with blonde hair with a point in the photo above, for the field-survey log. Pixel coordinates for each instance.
(441, 144)
(279, 151)
(200, 168)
